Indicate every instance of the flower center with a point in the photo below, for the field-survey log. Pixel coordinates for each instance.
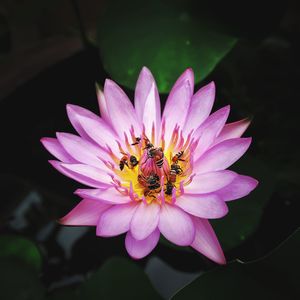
(148, 172)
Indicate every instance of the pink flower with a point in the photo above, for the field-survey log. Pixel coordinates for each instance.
(150, 174)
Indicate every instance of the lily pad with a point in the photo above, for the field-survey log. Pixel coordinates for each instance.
(245, 214)
(156, 35)
(274, 277)
(118, 279)
(20, 249)
(19, 281)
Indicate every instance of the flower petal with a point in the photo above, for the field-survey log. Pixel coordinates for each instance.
(120, 109)
(151, 115)
(147, 103)
(99, 132)
(222, 155)
(210, 182)
(110, 195)
(94, 174)
(233, 130)
(116, 220)
(86, 213)
(77, 176)
(240, 187)
(138, 249)
(209, 130)
(56, 149)
(82, 150)
(73, 112)
(209, 206)
(200, 107)
(206, 241)
(187, 75)
(102, 105)
(176, 108)
(145, 220)
(176, 225)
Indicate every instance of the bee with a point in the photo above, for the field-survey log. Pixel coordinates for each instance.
(169, 188)
(148, 144)
(124, 161)
(177, 158)
(137, 141)
(176, 169)
(158, 155)
(172, 175)
(151, 183)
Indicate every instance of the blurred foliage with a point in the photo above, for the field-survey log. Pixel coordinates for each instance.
(118, 278)
(157, 36)
(19, 281)
(20, 264)
(273, 277)
(21, 249)
(245, 214)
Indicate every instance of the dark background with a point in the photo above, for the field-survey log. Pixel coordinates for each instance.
(53, 52)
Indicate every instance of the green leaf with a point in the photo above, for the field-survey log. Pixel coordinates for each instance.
(156, 35)
(245, 214)
(274, 277)
(19, 281)
(20, 249)
(118, 279)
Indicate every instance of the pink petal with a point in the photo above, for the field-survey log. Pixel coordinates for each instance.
(233, 130)
(222, 155)
(209, 130)
(187, 75)
(102, 105)
(147, 103)
(120, 109)
(99, 132)
(81, 150)
(200, 108)
(94, 174)
(210, 182)
(240, 187)
(206, 241)
(116, 220)
(77, 176)
(138, 249)
(176, 225)
(176, 108)
(209, 206)
(151, 116)
(110, 195)
(145, 220)
(73, 112)
(55, 148)
(86, 213)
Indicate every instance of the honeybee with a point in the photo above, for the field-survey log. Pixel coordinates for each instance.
(124, 161)
(137, 141)
(151, 183)
(158, 155)
(177, 156)
(169, 188)
(172, 175)
(148, 144)
(176, 169)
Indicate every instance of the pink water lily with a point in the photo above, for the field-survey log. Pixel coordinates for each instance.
(150, 174)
